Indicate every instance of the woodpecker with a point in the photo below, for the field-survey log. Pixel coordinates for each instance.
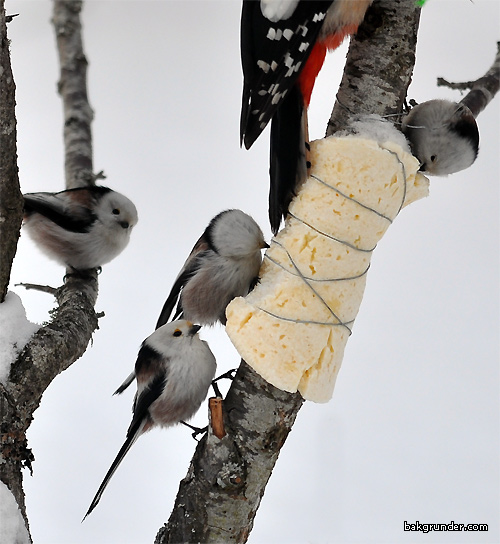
(283, 46)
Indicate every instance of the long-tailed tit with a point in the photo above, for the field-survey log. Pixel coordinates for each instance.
(80, 228)
(223, 264)
(174, 369)
(443, 136)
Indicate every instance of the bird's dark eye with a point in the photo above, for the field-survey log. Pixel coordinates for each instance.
(177, 332)
(433, 158)
(116, 211)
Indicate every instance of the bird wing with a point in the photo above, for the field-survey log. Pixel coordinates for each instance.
(272, 56)
(190, 267)
(70, 209)
(143, 401)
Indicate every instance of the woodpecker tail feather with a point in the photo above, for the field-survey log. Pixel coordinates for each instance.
(287, 156)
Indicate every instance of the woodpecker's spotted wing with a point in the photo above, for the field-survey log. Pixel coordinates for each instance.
(273, 55)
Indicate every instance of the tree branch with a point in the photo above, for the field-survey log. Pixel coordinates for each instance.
(11, 200)
(54, 347)
(78, 114)
(35, 287)
(13, 445)
(379, 63)
(483, 89)
(57, 345)
(219, 498)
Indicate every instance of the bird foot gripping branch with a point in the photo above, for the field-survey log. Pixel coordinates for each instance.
(293, 327)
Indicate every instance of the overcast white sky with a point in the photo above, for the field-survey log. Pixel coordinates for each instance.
(412, 432)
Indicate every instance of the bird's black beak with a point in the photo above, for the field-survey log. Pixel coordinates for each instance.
(423, 167)
(124, 224)
(265, 245)
(194, 329)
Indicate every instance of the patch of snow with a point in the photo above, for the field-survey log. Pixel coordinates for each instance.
(15, 329)
(376, 128)
(12, 526)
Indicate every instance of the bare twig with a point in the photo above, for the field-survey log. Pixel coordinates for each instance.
(43, 288)
(99, 175)
(8, 18)
(465, 85)
(483, 89)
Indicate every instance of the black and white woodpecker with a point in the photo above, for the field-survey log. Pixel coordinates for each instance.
(283, 46)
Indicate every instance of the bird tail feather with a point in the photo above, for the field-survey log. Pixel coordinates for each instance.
(287, 156)
(130, 440)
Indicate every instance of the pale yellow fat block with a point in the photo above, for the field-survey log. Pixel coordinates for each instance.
(293, 327)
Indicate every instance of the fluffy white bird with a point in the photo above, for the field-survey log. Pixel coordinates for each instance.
(174, 369)
(80, 228)
(223, 264)
(443, 136)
